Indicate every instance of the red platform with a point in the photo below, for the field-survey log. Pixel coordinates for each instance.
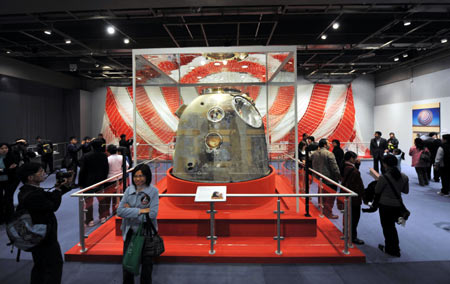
(245, 232)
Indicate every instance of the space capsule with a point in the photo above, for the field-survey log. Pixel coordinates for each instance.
(220, 138)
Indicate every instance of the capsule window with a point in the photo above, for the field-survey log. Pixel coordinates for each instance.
(215, 114)
(213, 140)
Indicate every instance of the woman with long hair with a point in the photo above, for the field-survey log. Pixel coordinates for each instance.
(389, 205)
(419, 161)
(139, 199)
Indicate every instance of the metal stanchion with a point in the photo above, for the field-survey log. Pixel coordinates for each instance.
(81, 223)
(278, 237)
(212, 237)
(345, 251)
(321, 198)
(307, 188)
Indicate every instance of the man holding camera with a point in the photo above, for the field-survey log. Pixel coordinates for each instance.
(45, 149)
(42, 205)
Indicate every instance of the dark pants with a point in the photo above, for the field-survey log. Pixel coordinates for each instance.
(48, 264)
(328, 202)
(436, 174)
(146, 266)
(376, 163)
(422, 175)
(73, 167)
(445, 177)
(388, 218)
(7, 190)
(356, 214)
(47, 160)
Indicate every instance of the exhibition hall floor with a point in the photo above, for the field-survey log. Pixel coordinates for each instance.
(424, 244)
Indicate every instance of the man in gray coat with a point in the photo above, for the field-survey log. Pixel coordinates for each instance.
(325, 163)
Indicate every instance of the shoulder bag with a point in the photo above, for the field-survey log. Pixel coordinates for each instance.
(404, 212)
(154, 244)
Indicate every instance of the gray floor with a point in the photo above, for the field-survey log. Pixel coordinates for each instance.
(425, 244)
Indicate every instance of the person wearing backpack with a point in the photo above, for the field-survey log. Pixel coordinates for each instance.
(389, 202)
(45, 149)
(41, 206)
(442, 163)
(421, 158)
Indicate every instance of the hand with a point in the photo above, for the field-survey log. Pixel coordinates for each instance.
(13, 166)
(83, 142)
(144, 210)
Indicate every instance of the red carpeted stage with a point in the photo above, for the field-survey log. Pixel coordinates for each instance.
(245, 229)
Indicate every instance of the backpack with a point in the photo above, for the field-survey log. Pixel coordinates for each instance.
(22, 233)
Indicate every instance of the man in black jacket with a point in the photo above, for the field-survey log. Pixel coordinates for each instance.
(126, 144)
(94, 169)
(72, 158)
(378, 146)
(45, 149)
(41, 205)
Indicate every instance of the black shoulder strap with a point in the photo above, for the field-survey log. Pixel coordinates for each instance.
(148, 220)
(393, 189)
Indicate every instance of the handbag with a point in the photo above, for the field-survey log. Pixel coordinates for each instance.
(154, 244)
(132, 257)
(404, 212)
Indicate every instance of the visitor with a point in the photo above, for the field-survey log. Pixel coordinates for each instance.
(443, 163)
(421, 158)
(389, 205)
(392, 142)
(126, 144)
(139, 199)
(94, 169)
(8, 182)
(71, 159)
(324, 162)
(378, 145)
(351, 179)
(338, 153)
(432, 143)
(86, 145)
(45, 149)
(100, 137)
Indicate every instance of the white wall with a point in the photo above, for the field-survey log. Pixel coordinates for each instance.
(364, 97)
(393, 104)
(85, 114)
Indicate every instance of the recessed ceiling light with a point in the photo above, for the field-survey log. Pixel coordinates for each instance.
(336, 26)
(126, 41)
(106, 67)
(97, 65)
(244, 66)
(323, 37)
(364, 73)
(217, 63)
(444, 40)
(396, 59)
(405, 55)
(48, 32)
(68, 41)
(8, 51)
(111, 30)
(406, 23)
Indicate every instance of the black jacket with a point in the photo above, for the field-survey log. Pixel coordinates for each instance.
(339, 155)
(378, 151)
(42, 207)
(72, 152)
(126, 144)
(94, 168)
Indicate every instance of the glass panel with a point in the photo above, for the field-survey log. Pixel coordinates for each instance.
(167, 63)
(286, 73)
(148, 74)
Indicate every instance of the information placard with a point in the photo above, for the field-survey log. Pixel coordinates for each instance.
(211, 194)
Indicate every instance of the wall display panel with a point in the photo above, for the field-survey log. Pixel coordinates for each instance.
(426, 118)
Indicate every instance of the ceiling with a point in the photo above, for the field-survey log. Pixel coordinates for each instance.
(369, 39)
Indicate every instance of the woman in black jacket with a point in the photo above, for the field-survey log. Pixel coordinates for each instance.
(389, 205)
(338, 154)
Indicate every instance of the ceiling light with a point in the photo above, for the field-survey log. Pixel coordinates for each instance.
(336, 26)
(244, 66)
(48, 32)
(68, 41)
(396, 59)
(323, 37)
(353, 71)
(364, 73)
(406, 23)
(405, 55)
(106, 67)
(97, 65)
(111, 30)
(8, 51)
(126, 41)
(444, 40)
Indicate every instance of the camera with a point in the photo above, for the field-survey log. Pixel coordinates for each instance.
(60, 176)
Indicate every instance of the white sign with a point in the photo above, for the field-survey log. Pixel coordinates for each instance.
(211, 194)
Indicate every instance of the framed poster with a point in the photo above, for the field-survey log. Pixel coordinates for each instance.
(426, 118)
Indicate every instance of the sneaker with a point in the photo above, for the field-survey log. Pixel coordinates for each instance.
(358, 241)
(333, 216)
(91, 224)
(103, 220)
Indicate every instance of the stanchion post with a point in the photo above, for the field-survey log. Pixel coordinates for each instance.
(307, 186)
(350, 236)
(212, 237)
(278, 237)
(81, 223)
(345, 251)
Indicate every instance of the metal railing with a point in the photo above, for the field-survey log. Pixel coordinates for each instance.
(83, 193)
